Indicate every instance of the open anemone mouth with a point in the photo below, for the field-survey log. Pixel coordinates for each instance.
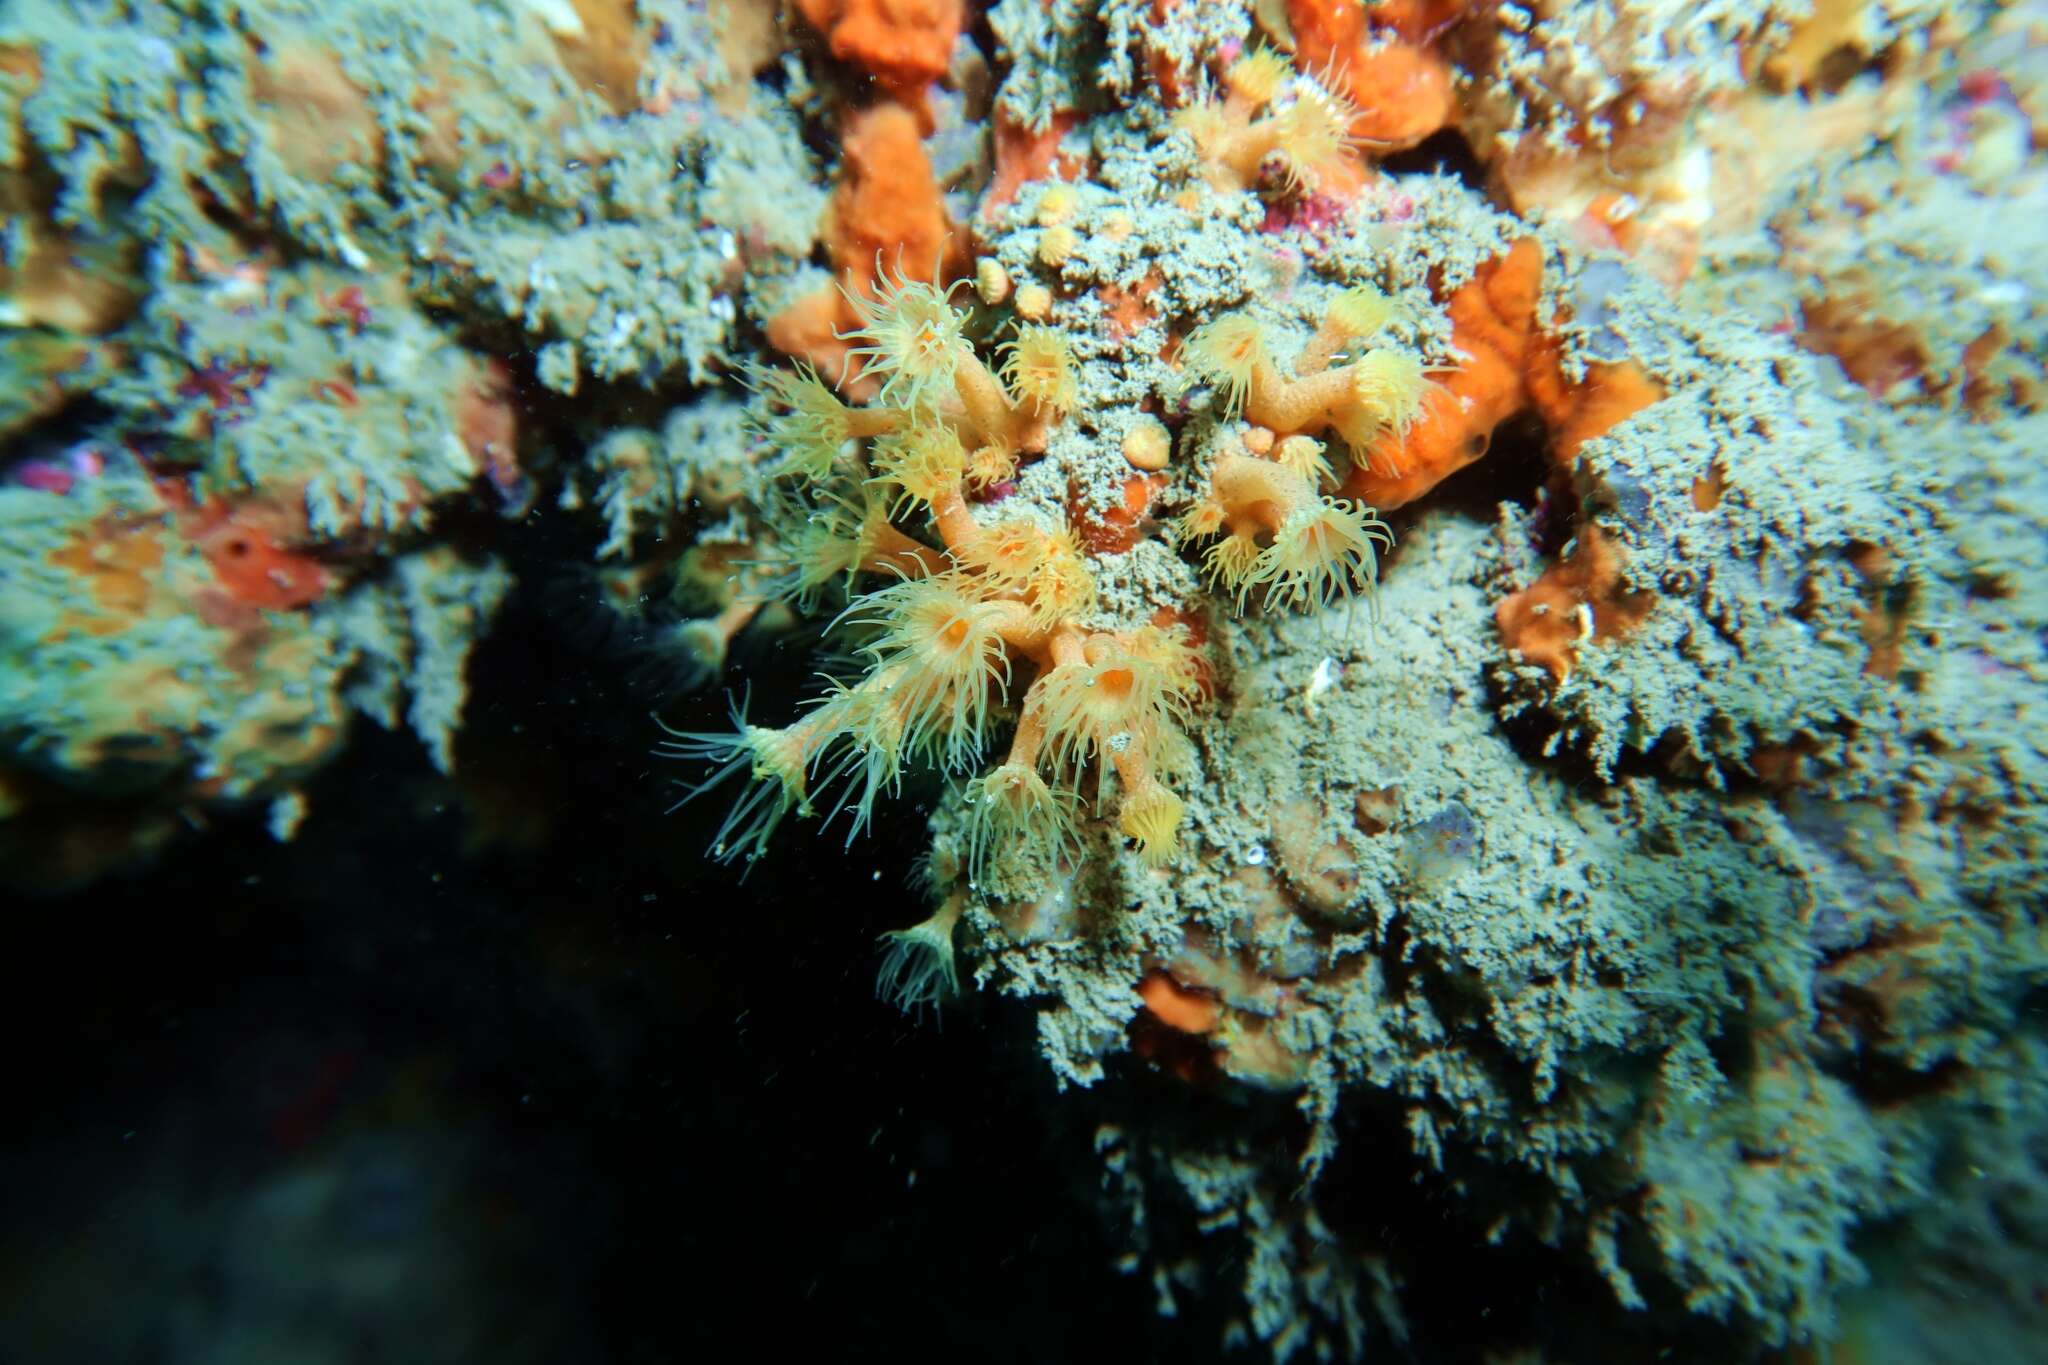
(939, 665)
(910, 335)
(1313, 136)
(1100, 709)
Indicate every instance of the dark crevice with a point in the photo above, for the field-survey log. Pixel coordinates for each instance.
(1442, 153)
(1515, 468)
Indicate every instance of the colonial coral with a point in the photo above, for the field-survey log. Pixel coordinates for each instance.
(989, 619)
(1297, 134)
(1369, 401)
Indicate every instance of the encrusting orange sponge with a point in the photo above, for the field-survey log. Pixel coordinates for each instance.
(1509, 366)
(1398, 84)
(1493, 319)
(1579, 598)
(904, 44)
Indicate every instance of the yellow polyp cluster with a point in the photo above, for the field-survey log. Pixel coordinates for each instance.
(1280, 535)
(1268, 127)
(981, 621)
(1045, 567)
(1377, 392)
(1007, 551)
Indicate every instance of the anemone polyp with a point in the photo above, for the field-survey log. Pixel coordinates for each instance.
(1320, 553)
(923, 461)
(1011, 806)
(1009, 550)
(910, 335)
(1059, 586)
(940, 661)
(1389, 386)
(776, 761)
(1151, 815)
(1361, 311)
(1256, 77)
(1228, 352)
(1312, 136)
(1039, 369)
(1088, 706)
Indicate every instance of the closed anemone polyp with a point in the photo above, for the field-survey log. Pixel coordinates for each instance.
(1151, 816)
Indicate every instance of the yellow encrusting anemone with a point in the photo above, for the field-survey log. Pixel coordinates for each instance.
(983, 625)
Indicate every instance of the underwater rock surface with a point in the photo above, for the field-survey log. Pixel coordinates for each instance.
(1459, 592)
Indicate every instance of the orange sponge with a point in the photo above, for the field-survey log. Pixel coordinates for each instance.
(1394, 76)
(887, 213)
(1493, 318)
(1579, 598)
(904, 44)
(1511, 366)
